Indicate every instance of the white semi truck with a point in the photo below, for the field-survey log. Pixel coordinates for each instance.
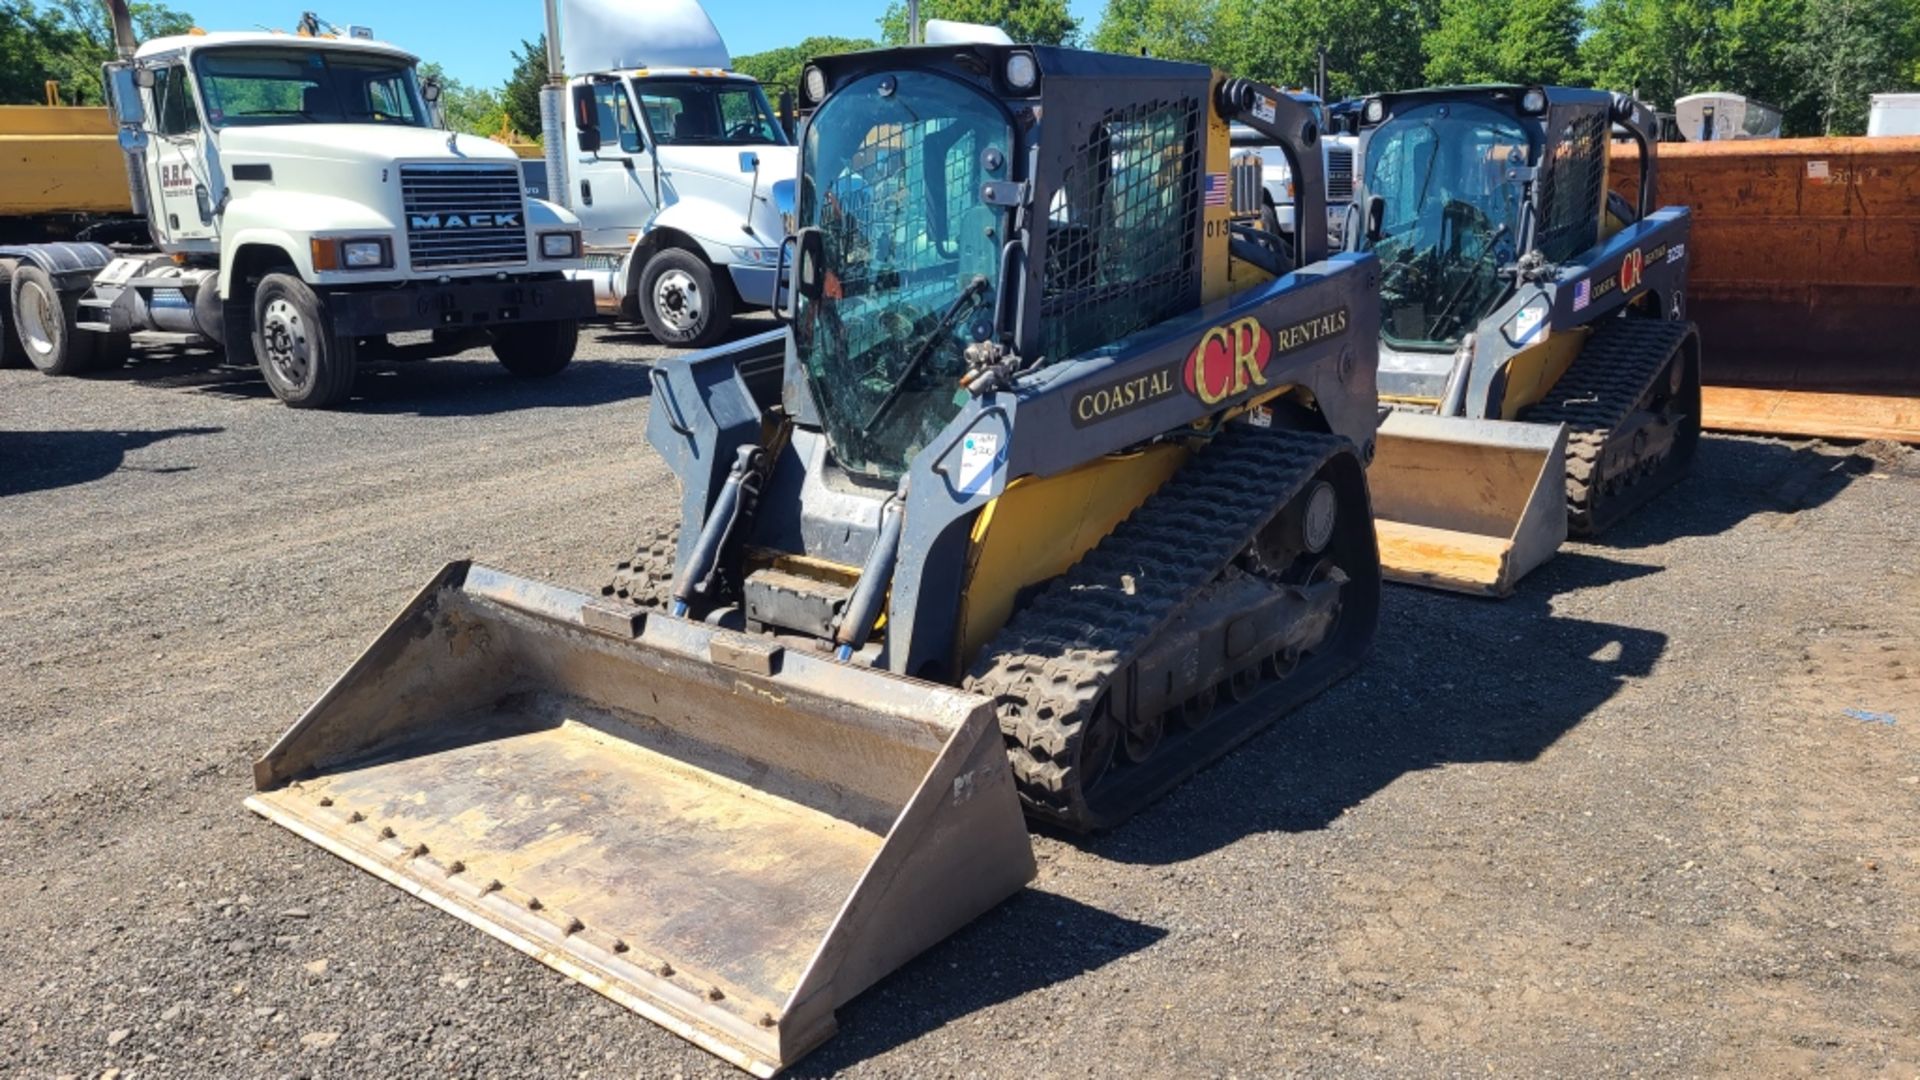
(675, 165)
(301, 207)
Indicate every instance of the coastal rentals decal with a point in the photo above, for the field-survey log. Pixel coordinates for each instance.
(1229, 360)
(1627, 279)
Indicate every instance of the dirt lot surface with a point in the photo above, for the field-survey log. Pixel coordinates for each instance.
(1620, 824)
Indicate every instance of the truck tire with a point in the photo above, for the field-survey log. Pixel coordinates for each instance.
(536, 350)
(10, 355)
(43, 320)
(681, 301)
(306, 364)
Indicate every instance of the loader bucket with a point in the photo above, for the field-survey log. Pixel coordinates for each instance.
(1467, 505)
(728, 837)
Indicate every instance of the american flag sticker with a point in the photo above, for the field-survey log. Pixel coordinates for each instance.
(1582, 296)
(1216, 189)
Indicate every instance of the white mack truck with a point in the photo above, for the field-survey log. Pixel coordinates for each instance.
(301, 207)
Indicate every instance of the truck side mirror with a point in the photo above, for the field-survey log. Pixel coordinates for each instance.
(127, 110)
(586, 118)
(749, 161)
(1376, 217)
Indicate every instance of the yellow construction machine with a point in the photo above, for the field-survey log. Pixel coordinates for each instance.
(1052, 491)
(1534, 338)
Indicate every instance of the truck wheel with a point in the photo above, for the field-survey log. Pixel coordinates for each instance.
(536, 350)
(43, 319)
(10, 355)
(682, 303)
(306, 364)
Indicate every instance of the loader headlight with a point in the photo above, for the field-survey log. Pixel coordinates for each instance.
(1527, 324)
(1373, 111)
(560, 245)
(1533, 102)
(814, 84)
(1022, 73)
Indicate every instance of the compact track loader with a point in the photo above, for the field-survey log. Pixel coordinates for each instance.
(1052, 490)
(1534, 339)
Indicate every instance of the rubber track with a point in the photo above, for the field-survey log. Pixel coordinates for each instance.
(646, 579)
(1046, 668)
(1600, 390)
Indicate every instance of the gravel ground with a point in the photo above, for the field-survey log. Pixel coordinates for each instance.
(1619, 824)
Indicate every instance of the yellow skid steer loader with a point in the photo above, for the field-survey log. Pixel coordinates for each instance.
(1534, 342)
(1051, 492)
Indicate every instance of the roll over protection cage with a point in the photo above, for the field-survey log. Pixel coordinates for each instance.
(1055, 120)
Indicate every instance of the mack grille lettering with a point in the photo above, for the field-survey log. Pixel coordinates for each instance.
(463, 215)
(463, 221)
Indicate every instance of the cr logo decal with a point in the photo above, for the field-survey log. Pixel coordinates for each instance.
(1631, 269)
(1229, 360)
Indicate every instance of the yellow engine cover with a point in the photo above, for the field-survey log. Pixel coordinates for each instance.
(1040, 526)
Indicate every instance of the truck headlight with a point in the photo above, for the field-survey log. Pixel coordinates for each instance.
(364, 254)
(559, 245)
(352, 253)
(759, 256)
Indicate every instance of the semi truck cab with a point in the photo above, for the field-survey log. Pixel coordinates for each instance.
(302, 207)
(675, 165)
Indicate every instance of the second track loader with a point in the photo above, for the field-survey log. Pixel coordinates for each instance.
(1052, 491)
(1534, 339)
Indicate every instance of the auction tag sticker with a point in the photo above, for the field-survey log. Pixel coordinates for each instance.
(1816, 170)
(1263, 107)
(979, 452)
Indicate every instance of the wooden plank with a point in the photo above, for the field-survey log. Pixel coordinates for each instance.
(1443, 559)
(1799, 413)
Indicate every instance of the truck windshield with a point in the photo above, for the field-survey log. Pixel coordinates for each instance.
(708, 112)
(1451, 218)
(244, 87)
(891, 174)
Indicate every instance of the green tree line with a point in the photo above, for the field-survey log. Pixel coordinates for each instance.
(1817, 60)
(66, 41)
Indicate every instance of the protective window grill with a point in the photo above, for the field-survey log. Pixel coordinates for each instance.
(1570, 189)
(1121, 243)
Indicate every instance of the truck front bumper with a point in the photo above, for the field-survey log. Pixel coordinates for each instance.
(753, 284)
(365, 312)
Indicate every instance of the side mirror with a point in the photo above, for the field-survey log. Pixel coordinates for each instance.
(782, 191)
(809, 268)
(782, 287)
(125, 84)
(144, 78)
(586, 119)
(431, 90)
(786, 112)
(749, 161)
(1376, 217)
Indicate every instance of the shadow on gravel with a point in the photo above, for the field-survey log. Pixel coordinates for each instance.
(1031, 942)
(1451, 680)
(483, 388)
(443, 387)
(43, 460)
(1734, 479)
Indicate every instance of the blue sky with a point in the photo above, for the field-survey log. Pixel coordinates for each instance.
(474, 39)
